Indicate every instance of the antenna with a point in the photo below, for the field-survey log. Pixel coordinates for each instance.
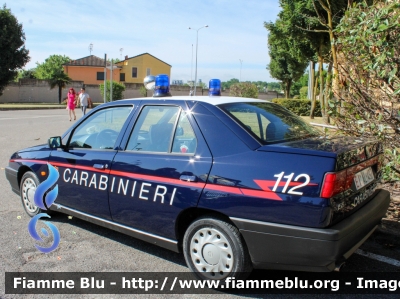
(90, 48)
(120, 52)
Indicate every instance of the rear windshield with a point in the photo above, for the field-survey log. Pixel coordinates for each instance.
(269, 122)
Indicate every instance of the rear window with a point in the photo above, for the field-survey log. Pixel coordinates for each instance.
(269, 122)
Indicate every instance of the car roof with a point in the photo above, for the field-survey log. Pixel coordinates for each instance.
(215, 100)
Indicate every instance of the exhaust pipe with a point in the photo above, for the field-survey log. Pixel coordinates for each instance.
(339, 266)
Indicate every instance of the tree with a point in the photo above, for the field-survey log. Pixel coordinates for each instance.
(303, 92)
(51, 69)
(311, 25)
(244, 90)
(284, 65)
(228, 84)
(59, 79)
(13, 55)
(276, 86)
(113, 60)
(307, 34)
(51, 66)
(25, 74)
(117, 90)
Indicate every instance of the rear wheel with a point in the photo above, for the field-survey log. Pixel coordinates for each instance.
(214, 249)
(29, 183)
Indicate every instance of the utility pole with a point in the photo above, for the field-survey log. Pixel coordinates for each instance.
(111, 81)
(105, 78)
(197, 45)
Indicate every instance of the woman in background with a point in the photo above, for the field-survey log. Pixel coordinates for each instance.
(71, 103)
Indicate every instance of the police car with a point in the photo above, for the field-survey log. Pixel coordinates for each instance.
(234, 183)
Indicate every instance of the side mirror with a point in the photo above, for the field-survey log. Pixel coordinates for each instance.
(55, 142)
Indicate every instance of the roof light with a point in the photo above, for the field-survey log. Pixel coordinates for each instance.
(214, 87)
(161, 88)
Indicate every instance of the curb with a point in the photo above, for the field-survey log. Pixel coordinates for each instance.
(29, 108)
(38, 107)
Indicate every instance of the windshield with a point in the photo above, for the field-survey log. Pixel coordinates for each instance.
(269, 122)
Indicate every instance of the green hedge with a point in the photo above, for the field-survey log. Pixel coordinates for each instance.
(299, 107)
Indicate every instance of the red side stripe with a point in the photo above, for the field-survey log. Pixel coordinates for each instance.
(266, 193)
(29, 161)
(262, 194)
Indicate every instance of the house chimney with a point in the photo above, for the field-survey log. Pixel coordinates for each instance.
(126, 57)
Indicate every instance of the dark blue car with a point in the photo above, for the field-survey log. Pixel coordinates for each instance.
(234, 183)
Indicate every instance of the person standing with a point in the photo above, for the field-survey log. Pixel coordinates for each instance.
(84, 99)
(71, 97)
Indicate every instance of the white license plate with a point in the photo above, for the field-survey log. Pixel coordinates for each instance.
(363, 178)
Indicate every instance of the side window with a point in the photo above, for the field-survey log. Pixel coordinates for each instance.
(100, 130)
(185, 141)
(254, 122)
(154, 129)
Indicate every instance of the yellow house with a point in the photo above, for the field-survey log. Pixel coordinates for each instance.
(136, 68)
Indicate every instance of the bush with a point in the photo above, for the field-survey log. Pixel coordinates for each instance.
(299, 107)
(244, 90)
(369, 56)
(117, 91)
(143, 91)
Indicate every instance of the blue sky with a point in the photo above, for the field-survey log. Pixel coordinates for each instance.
(236, 31)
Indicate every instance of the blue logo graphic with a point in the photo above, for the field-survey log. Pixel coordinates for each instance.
(44, 197)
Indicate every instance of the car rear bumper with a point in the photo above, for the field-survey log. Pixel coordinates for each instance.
(12, 177)
(286, 247)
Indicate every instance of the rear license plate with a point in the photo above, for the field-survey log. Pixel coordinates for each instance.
(363, 178)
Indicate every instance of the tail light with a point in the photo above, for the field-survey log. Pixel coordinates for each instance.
(338, 182)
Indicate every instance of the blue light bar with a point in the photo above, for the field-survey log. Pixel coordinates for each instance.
(161, 88)
(214, 87)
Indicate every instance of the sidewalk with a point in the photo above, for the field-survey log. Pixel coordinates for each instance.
(35, 106)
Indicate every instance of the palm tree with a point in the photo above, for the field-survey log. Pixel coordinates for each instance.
(61, 80)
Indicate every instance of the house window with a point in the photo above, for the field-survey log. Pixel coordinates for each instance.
(122, 77)
(148, 73)
(100, 75)
(134, 72)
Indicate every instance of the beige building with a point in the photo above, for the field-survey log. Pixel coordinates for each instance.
(136, 68)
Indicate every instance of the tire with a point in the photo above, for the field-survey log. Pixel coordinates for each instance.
(29, 183)
(214, 249)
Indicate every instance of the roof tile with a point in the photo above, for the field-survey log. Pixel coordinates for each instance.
(91, 60)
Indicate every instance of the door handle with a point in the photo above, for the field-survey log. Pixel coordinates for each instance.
(188, 178)
(100, 166)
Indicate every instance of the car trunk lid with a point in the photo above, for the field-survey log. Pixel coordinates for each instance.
(353, 181)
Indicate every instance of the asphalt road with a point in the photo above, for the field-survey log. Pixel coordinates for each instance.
(86, 247)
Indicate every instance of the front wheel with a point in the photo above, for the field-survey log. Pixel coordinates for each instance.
(29, 183)
(214, 249)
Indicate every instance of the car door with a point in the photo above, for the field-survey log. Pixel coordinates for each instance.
(162, 169)
(84, 162)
